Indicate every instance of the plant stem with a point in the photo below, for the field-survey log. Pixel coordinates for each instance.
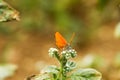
(60, 75)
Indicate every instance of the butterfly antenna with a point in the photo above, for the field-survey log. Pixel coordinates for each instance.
(71, 39)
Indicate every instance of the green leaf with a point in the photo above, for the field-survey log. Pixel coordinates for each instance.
(50, 69)
(7, 13)
(86, 74)
(41, 77)
(70, 65)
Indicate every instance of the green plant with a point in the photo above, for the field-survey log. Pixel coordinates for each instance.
(7, 13)
(67, 68)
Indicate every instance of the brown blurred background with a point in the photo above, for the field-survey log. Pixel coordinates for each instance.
(25, 43)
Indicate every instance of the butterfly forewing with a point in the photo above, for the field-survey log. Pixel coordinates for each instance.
(60, 41)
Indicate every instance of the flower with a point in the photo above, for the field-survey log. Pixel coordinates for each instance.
(52, 52)
(69, 53)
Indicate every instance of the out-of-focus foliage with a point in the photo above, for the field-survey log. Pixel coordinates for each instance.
(102, 4)
(7, 12)
(67, 16)
(92, 60)
(117, 31)
(7, 70)
(117, 60)
(84, 74)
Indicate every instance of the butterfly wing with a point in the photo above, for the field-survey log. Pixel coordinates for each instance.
(60, 41)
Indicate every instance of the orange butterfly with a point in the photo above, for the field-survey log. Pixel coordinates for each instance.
(60, 41)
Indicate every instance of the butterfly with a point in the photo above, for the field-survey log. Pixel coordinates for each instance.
(61, 41)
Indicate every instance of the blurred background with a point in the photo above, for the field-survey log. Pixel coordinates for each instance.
(24, 44)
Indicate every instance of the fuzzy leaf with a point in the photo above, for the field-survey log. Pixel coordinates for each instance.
(7, 13)
(50, 69)
(40, 77)
(86, 74)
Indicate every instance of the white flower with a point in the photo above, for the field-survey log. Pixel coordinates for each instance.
(69, 53)
(52, 52)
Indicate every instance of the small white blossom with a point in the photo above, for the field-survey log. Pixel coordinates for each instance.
(63, 52)
(52, 52)
(73, 53)
(69, 53)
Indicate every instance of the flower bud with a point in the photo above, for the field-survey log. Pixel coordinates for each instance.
(73, 53)
(69, 53)
(52, 52)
